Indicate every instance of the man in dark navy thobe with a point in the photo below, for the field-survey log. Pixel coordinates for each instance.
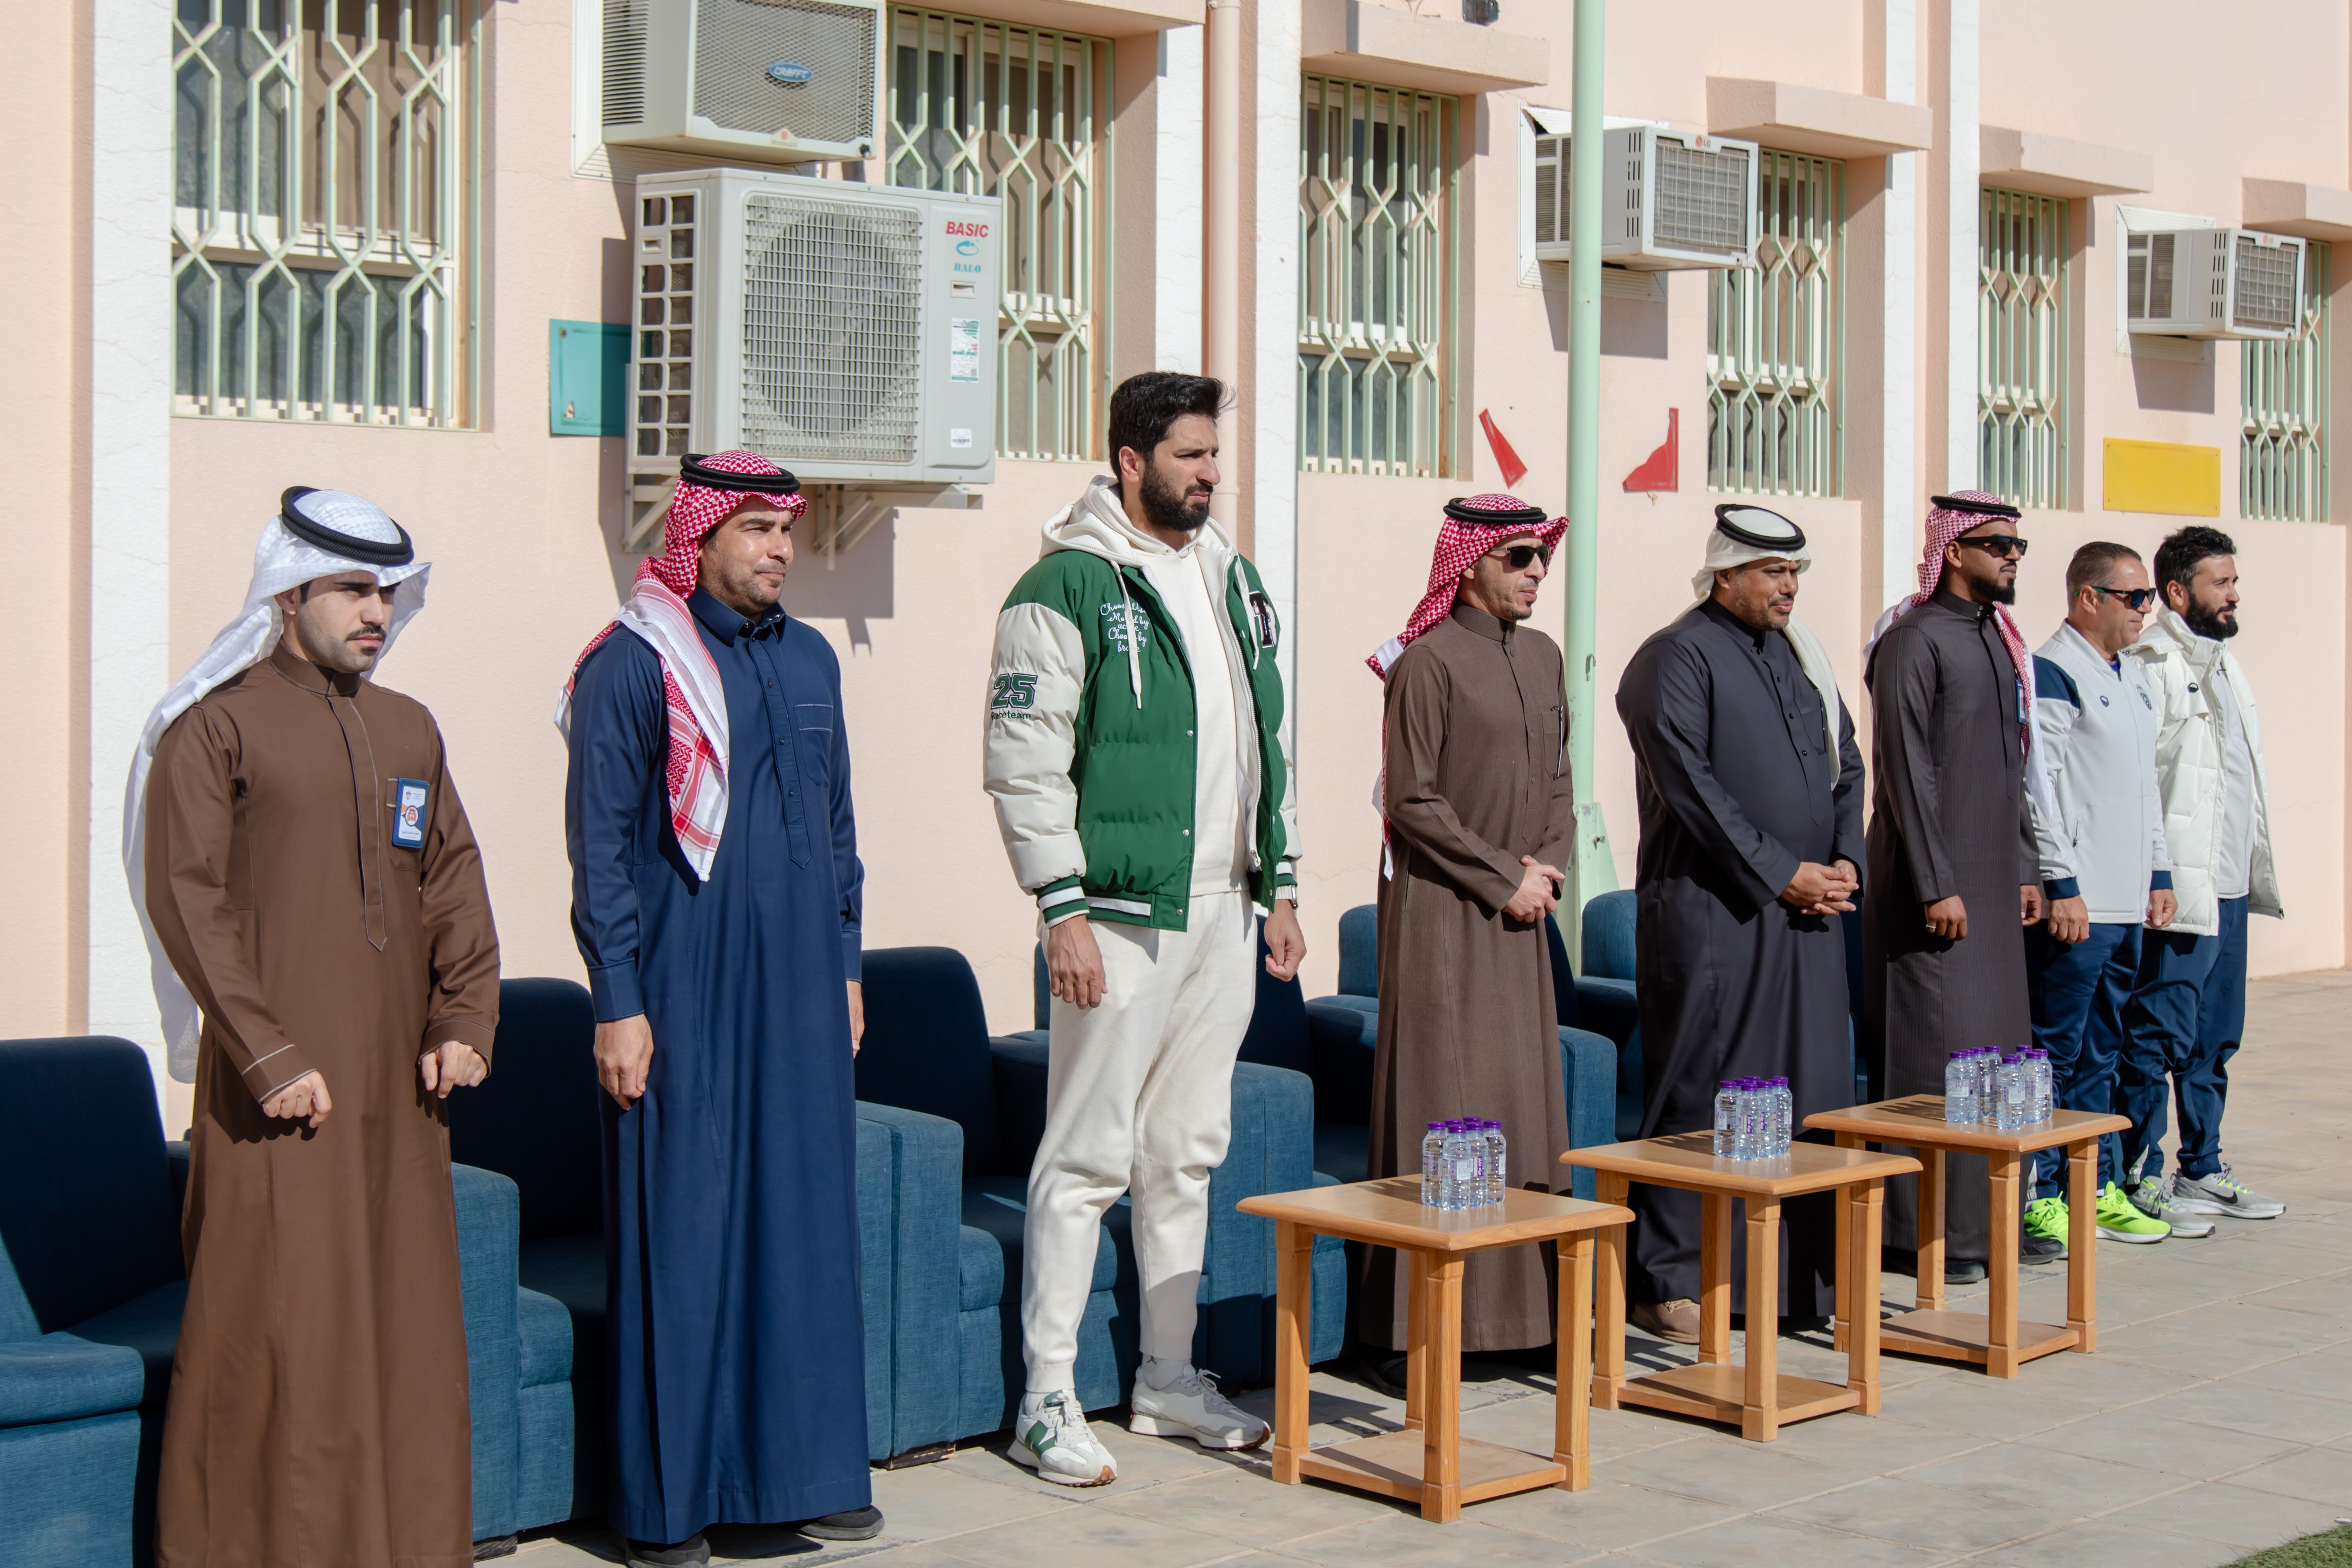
(1749, 786)
(716, 898)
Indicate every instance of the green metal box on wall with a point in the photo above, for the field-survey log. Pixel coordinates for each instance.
(587, 378)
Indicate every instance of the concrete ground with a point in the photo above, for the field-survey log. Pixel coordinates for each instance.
(2215, 1419)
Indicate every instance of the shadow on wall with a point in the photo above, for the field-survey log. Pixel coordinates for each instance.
(856, 587)
(2176, 385)
(1630, 329)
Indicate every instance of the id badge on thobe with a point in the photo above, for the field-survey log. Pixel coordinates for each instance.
(410, 802)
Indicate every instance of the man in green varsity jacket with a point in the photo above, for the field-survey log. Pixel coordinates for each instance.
(1135, 755)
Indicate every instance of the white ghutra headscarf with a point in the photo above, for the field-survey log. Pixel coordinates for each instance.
(316, 534)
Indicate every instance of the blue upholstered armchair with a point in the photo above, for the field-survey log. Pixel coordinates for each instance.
(972, 1110)
(92, 1287)
(1588, 1061)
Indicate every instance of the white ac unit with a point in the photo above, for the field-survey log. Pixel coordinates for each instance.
(845, 331)
(2215, 283)
(788, 80)
(1668, 200)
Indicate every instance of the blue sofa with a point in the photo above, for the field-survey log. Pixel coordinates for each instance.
(1589, 1063)
(973, 1111)
(88, 1329)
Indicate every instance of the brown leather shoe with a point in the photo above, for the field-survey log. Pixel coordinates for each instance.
(1674, 1321)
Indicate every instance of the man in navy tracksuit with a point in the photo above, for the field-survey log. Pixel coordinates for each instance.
(2106, 869)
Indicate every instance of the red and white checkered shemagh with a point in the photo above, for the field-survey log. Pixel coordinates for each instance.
(696, 771)
(1459, 543)
(1945, 525)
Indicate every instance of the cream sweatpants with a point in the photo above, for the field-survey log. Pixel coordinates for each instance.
(1138, 1099)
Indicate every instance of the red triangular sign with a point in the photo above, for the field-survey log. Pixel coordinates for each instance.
(1663, 470)
(1506, 459)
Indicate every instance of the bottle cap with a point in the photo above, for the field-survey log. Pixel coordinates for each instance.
(1437, 1126)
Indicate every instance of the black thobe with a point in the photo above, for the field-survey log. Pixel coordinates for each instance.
(1737, 787)
(1949, 817)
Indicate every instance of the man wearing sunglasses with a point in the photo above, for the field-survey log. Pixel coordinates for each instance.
(2105, 867)
(1749, 786)
(1955, 874)
(2190, 1010)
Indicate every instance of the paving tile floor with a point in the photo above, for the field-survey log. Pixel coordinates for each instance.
(2216, 1419)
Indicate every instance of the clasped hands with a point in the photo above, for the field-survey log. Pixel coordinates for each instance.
(447, 1065)
(1818, 889)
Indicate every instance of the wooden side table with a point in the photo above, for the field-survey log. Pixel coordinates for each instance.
(1993, 1340)
(1430, 1461)
(1756, 1397)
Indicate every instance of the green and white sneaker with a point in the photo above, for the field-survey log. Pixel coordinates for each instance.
(2120, 1219)
(2153, 1197)
(2223, 1194)
(2046, 1219)
(1050, 1436)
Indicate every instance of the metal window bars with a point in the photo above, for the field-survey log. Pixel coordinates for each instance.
(2283, 397)
(1377, 313)
(1024, 113)
(1776, 338)
(326, 166)
(2024, 284)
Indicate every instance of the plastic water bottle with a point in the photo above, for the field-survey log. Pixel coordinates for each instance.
(1495, 1161)
(1755, 1120)
(2045, 1086)
(1959, 1088)
(1482, 1162)
(1784, 1113)
(1727, 1120)
(1462, 1164)
(1432, 1156)
(1988, 1083)
(2013, 1089)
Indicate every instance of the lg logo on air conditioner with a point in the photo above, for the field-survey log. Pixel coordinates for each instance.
(967, 245)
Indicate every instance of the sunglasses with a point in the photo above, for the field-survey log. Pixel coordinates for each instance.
(1999, 543)
(2137, 598)
(1517, 555)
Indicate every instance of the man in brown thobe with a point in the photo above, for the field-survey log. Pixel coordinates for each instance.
(310, 879)
(1480, 815)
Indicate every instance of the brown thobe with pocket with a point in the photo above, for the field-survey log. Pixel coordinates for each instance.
(327, 918)
(1476, 762)
(1949, 817)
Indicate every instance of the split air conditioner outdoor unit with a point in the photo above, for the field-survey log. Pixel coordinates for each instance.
(845, 331)
(787, 80)
(2215, 283)
(1670, 199)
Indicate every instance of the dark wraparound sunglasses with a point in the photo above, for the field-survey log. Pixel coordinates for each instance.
(1999, 543)
(1518, 556)
(2137, 598)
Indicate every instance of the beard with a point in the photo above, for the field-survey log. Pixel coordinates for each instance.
(1166, 506)
(2001, 593)
(2221, 625)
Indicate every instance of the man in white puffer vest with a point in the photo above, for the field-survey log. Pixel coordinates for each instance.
(2190, 1009)
(2105, 870)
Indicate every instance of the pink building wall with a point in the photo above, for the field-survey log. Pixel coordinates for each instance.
(520, 525)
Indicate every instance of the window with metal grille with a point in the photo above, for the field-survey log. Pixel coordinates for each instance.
(1377, 312)
(326, 167)
(2283, 395)
(1776, 338)
(1024, 113)
(2023, 285)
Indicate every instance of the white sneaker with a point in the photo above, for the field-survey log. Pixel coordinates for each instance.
(1191, 1407)
(1050, 1436)
(2223, 1194)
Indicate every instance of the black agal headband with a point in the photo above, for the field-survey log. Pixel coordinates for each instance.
(1974, 508)
(292, 511)
(1747, 525)
(695, 470)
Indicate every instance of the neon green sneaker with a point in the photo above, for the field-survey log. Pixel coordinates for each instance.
(2120, 1219)
(2046, 1217)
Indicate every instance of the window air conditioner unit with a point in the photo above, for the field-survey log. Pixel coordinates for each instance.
(2215, 283)
(1669, 199)
(788, 80)
(844, 330)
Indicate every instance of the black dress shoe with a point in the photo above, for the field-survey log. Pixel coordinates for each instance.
(1963, 1271)
(2031, 1249)
(856, 1524)
(692, 1552)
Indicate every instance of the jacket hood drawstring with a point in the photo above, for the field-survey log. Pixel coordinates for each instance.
(1134, 660)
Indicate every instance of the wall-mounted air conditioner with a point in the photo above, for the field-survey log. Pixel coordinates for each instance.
(845, 331)
(2215, 283)
(788, 80)
(1671, 199)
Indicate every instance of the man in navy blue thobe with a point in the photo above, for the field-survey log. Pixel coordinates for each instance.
(715, 897)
